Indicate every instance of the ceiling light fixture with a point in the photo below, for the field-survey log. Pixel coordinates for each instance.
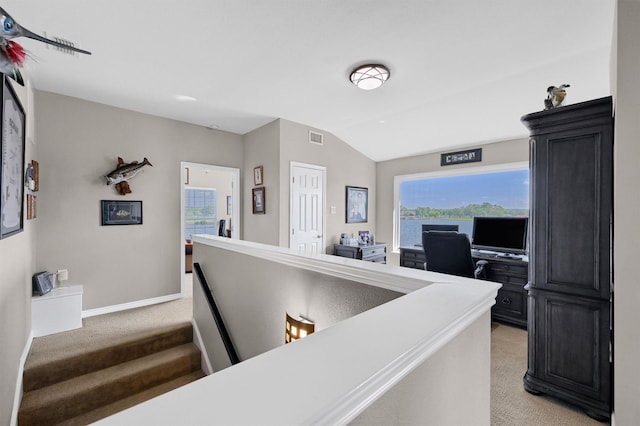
(370, 76)
(185, 98)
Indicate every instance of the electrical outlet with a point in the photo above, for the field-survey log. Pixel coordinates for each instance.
(333, 209)
(63, 274)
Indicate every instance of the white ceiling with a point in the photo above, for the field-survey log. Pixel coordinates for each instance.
(463, 72)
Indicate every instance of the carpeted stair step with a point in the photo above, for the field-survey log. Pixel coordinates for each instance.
(71, 398)
(126, 349)
(123, 404)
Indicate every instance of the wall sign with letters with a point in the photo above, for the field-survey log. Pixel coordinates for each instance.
(459, 157)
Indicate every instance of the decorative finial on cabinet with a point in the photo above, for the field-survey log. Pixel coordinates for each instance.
(555, 96)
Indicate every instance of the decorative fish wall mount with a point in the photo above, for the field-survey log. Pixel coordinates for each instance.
(12, 55)
(120, 176)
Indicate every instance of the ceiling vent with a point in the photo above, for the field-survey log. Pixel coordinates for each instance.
(316, 138)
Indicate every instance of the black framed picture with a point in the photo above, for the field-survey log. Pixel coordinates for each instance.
(357, 204)
(12, 158)
(116, 212)
(258, 200)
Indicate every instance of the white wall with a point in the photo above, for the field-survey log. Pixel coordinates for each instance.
(17, 264)
(78, 143)
(259, 293)
(495, 153)
(626, 206)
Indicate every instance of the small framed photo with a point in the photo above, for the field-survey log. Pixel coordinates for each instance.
(229, 205)
(356, 204)
(363, 237)
(257, 175)
(258, 200)
(121, 212)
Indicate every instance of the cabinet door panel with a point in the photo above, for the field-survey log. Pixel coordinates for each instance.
(573, 337)
(569, 216)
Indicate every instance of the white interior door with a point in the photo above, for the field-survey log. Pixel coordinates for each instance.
(307, 208)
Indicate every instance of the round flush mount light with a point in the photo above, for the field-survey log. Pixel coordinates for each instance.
(370, 76)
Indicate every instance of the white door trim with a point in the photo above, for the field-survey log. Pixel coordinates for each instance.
(323, 169)
(236, 223)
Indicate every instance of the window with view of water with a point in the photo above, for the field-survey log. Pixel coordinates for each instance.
(455, 200)
(199, 212)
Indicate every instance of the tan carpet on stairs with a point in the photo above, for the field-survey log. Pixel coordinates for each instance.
(511, 405)
(114, 362)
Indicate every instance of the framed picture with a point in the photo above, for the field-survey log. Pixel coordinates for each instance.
(356, 204)
(121, 212)
(363, 237)
(229, 205)
(258, 200)
(12, 156)
(257, 175)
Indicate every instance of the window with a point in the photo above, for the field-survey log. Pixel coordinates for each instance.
(454, 199)
(200, 212)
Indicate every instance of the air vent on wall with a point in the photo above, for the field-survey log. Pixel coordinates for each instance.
(316, 138)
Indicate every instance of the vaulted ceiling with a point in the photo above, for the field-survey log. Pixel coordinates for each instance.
(463, 72)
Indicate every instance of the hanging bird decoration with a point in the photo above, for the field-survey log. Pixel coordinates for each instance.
(555, 96)
(123, 173)
(12, 54)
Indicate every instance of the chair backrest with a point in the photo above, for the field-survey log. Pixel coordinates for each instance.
(448, 252)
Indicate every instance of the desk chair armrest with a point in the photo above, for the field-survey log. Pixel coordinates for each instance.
(479, 272)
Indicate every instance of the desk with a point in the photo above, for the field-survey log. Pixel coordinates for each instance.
(512, 273)
(368, 252)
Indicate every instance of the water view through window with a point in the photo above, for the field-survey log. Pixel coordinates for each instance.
(199, 212)
(455, 200)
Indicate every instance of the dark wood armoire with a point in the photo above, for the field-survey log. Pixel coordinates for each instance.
(570, 288)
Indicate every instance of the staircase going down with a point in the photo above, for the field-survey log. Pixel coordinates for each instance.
(87, 387)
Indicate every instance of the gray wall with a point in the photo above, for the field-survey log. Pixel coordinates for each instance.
(345, 166)
(512, 151)
(262, 148)
(78, 143)
(626, 206)
(274, 146)
(17, 264)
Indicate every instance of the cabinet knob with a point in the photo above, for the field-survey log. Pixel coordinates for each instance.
(506, 301)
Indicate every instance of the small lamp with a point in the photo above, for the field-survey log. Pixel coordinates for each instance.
(297, 328)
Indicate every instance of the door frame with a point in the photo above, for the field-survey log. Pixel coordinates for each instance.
(323, 169)
(236, 225)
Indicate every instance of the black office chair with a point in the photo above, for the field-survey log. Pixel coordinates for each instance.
(221, 228)
(449, 252)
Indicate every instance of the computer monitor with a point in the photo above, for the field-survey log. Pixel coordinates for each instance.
(438, 227)
(502, 234)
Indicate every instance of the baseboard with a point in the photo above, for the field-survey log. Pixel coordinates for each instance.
(130, 305)
(197, 340)
(17, 398)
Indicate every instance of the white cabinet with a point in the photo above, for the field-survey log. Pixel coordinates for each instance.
(59, 310)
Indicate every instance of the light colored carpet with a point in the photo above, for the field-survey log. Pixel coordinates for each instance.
(105, 330)
(510, 403)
